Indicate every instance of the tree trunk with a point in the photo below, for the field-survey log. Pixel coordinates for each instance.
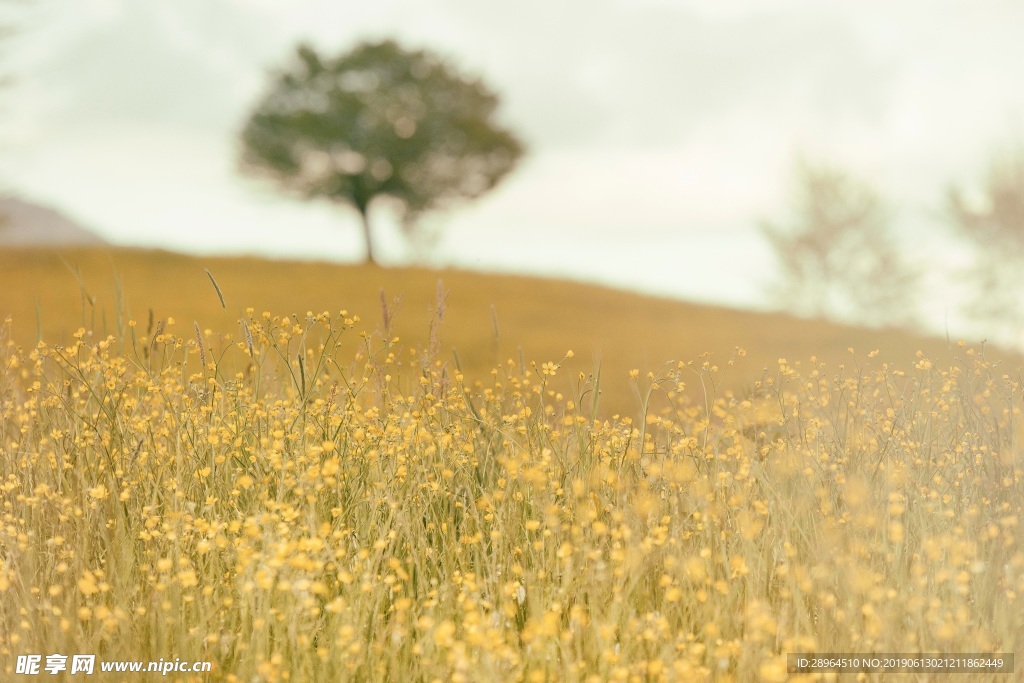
(368, 238)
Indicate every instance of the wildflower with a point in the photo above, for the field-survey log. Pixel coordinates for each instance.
(87, 584)
(444, 633)
(187, 578)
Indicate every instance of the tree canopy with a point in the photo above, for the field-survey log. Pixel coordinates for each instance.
(838, 257)
(378, 121)
(993, 222)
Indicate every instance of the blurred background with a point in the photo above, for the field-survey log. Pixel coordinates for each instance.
(670, 142)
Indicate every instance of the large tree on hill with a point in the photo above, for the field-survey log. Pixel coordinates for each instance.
(838, 258)
(378, 121)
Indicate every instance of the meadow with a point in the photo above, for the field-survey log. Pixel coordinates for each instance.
(487, 318)
(324, 496)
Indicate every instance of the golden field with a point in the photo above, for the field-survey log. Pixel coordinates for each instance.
(487, 318)
(321, 492)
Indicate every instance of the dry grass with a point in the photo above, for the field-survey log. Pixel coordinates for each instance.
(488, 319)
(317, 502)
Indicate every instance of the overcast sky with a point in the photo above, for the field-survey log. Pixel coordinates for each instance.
(660, 131)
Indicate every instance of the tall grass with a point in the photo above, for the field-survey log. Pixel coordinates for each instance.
(291, 512)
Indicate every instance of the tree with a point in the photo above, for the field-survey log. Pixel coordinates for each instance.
(379, 121)
(993, 222)
(9, 26)
(838, 258)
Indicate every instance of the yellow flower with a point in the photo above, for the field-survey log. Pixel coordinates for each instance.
(87, 584)
(187, 578)
(330, 467)
(444, 634)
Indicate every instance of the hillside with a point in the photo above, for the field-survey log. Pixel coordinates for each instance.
(488, 319)
(350, 522)
(27, 224)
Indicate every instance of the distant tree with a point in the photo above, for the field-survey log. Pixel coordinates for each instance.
(993, 222)
(838, 259)
(379, 121)
(9, 25)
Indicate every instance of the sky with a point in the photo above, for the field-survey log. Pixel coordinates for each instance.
(660, 133)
